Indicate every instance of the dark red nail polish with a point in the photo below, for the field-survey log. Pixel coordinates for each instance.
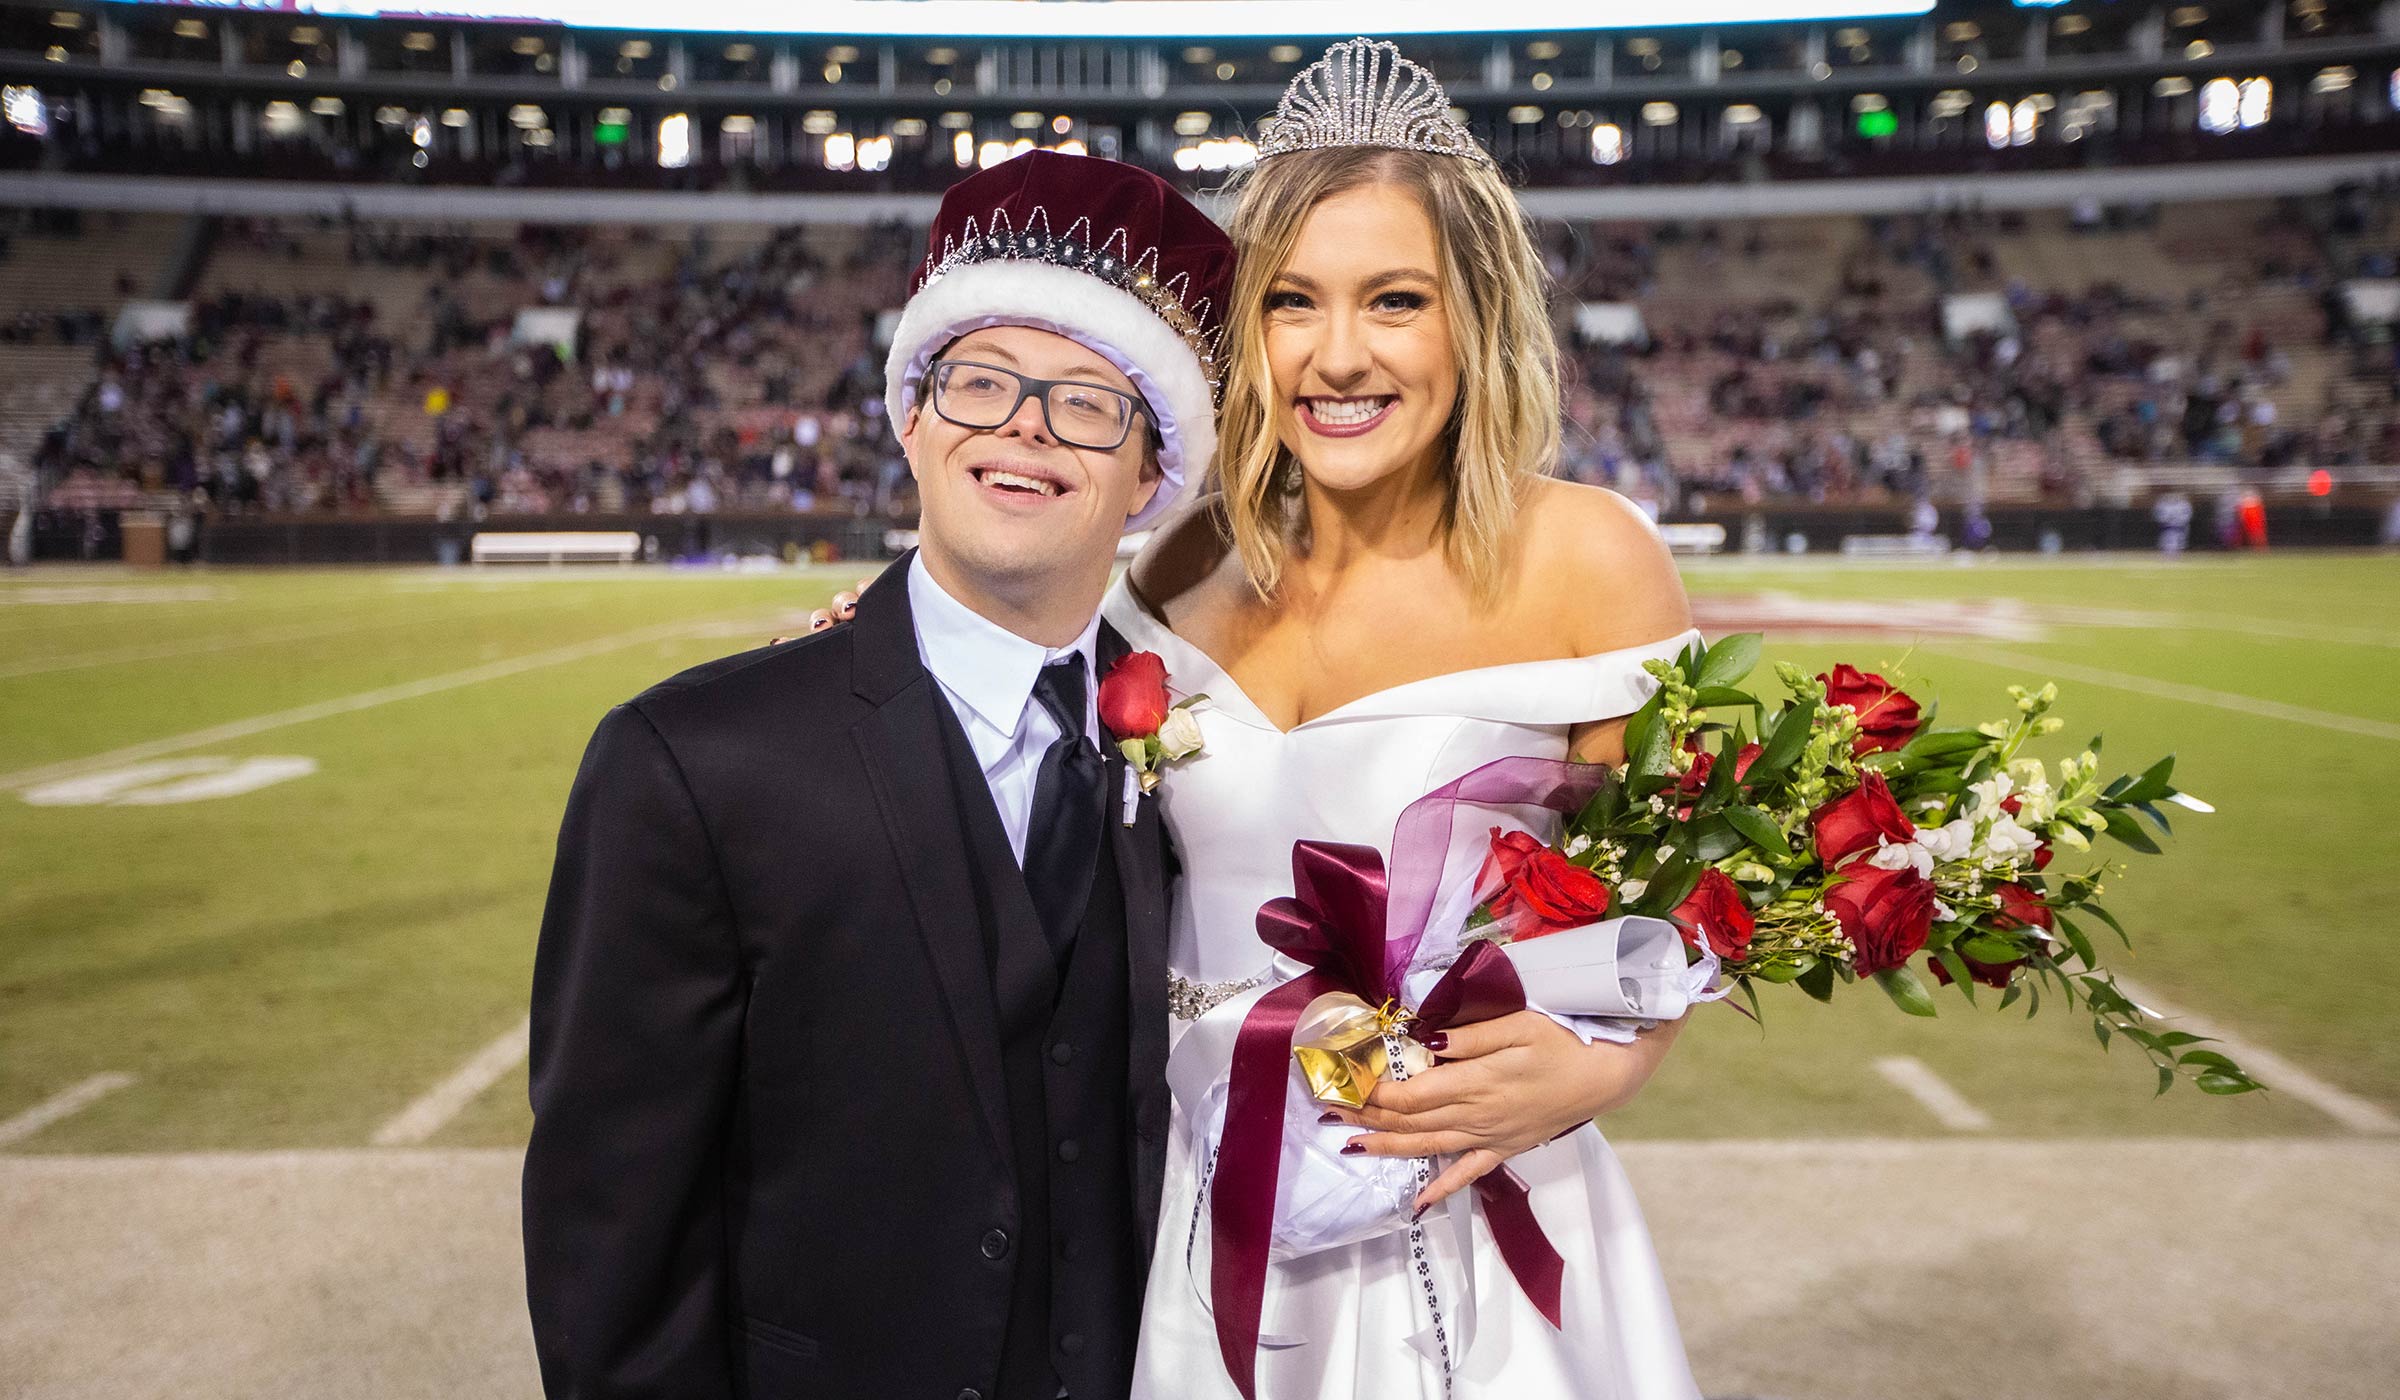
(1436, 1042)
(1327, 1120)
(1352, 1149)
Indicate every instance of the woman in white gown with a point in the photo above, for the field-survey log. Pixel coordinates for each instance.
(1383, 593)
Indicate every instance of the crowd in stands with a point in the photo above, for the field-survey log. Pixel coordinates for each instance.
(710, 379)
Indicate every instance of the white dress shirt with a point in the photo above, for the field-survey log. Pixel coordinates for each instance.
(988, 672)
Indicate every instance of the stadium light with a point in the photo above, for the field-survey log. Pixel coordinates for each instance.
(675, 141)
(1608, 143)
(841, 151)
(962, 148)
(875, 153)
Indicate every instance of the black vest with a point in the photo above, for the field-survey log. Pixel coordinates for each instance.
(1075, 1307)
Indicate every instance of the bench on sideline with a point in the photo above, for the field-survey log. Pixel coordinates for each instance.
(554, 547)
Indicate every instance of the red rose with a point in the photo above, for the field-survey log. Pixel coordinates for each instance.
(1704, 763)
(1884, 913)
(2019, 908)
(1887, 717)
(1716, 911)
(1133, 695)
(1997, 975)
(1860, 822)
(1541, 891)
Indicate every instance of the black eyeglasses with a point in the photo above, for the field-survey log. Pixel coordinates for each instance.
(1078, 414)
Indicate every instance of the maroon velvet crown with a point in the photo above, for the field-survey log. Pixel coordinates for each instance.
(1116, 221)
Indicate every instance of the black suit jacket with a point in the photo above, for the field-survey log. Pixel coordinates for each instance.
(770, 1153)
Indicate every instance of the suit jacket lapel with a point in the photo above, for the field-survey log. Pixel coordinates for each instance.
(1140, 852)
(903, 747)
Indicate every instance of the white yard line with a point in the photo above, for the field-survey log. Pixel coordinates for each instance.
(202, 646)
(407, 690)
(2273, 1070)
(2228, 624)
(441, 1103)
(1934, 1094)
(61, 1105)
(2171, 690)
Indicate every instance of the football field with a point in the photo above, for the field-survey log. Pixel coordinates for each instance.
(273, 848)
(275, 843)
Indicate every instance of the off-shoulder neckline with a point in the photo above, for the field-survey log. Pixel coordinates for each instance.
(1202, 672)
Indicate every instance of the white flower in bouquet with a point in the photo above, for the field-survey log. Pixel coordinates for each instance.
(1904, 855)
(2005, 840)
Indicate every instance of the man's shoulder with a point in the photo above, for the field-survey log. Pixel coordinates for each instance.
(779, 681)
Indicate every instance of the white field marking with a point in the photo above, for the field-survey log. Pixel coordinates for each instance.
(2232, 624)
(1787, 613)
(407, 690)
(2174, 690)
(202, 646)
(71, 594)
(60, 1105)
(171, 780)
(1932, 1093)
(441, 1103)
(2273, 1070)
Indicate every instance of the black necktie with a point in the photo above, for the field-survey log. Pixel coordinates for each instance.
(1062, 844)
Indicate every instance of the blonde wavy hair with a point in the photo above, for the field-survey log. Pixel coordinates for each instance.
(1505, 428)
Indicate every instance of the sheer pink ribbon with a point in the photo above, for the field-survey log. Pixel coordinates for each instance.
(1358, 933)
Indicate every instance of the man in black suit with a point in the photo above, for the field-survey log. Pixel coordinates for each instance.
(849, 1014)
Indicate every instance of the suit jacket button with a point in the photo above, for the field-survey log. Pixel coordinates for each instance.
(1069, 1150)
(970, 1393)
(1061, 1053)
(1071, 1344)
(995, 1243)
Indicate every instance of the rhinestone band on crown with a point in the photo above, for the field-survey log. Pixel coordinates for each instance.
(1111, 261)
(1363, 93)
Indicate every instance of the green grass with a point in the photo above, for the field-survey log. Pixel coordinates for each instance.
(291, 966)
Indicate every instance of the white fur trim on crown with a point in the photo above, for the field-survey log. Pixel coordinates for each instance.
(1112, 323)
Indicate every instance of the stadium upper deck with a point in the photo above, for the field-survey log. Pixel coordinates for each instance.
(1968, 85)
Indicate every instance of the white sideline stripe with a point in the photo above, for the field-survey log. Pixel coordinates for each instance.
(1932, 1093)
(441, 1103)
(2174, 690)
(2273, 1070)
(60, 1105)
(367, 700)
(204, 646)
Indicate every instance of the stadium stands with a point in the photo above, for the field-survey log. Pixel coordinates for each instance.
(370, 367)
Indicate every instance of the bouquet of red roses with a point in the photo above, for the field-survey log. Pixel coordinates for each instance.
(1842, 835)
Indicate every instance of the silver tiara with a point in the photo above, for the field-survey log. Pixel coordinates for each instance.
(1363, 93)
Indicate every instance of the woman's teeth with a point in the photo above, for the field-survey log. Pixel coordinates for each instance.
(1344, 413)
(993, 477)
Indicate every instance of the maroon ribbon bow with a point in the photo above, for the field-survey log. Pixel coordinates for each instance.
(1339, 921)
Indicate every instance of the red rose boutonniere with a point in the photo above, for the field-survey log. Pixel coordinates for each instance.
(1151, 730)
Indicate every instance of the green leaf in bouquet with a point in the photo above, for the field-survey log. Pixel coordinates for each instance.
(1712, 697)
(1907, 991)
(1603, 811)
(2122, 826)
(2014, 994)
(1991, 948)
(1670, 885)
(2176, 1040)
(1750, 994)
(2075, 939)
(2218, 1082)
(1784, 745)
(2109, 919)
(1943, 743)
(1644, 720)
(2207, 1059)
(2166, 1079)
(2157, 817)
(1817, 980)
(2150, 787)
(1759, 830)
(1956, 966)
(2100, 1029)
(1713, 837)
(1729, 661)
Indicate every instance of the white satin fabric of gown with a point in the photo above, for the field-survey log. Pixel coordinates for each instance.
(1234, 810)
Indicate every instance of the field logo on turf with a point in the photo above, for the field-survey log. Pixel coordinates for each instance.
(171, 780)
